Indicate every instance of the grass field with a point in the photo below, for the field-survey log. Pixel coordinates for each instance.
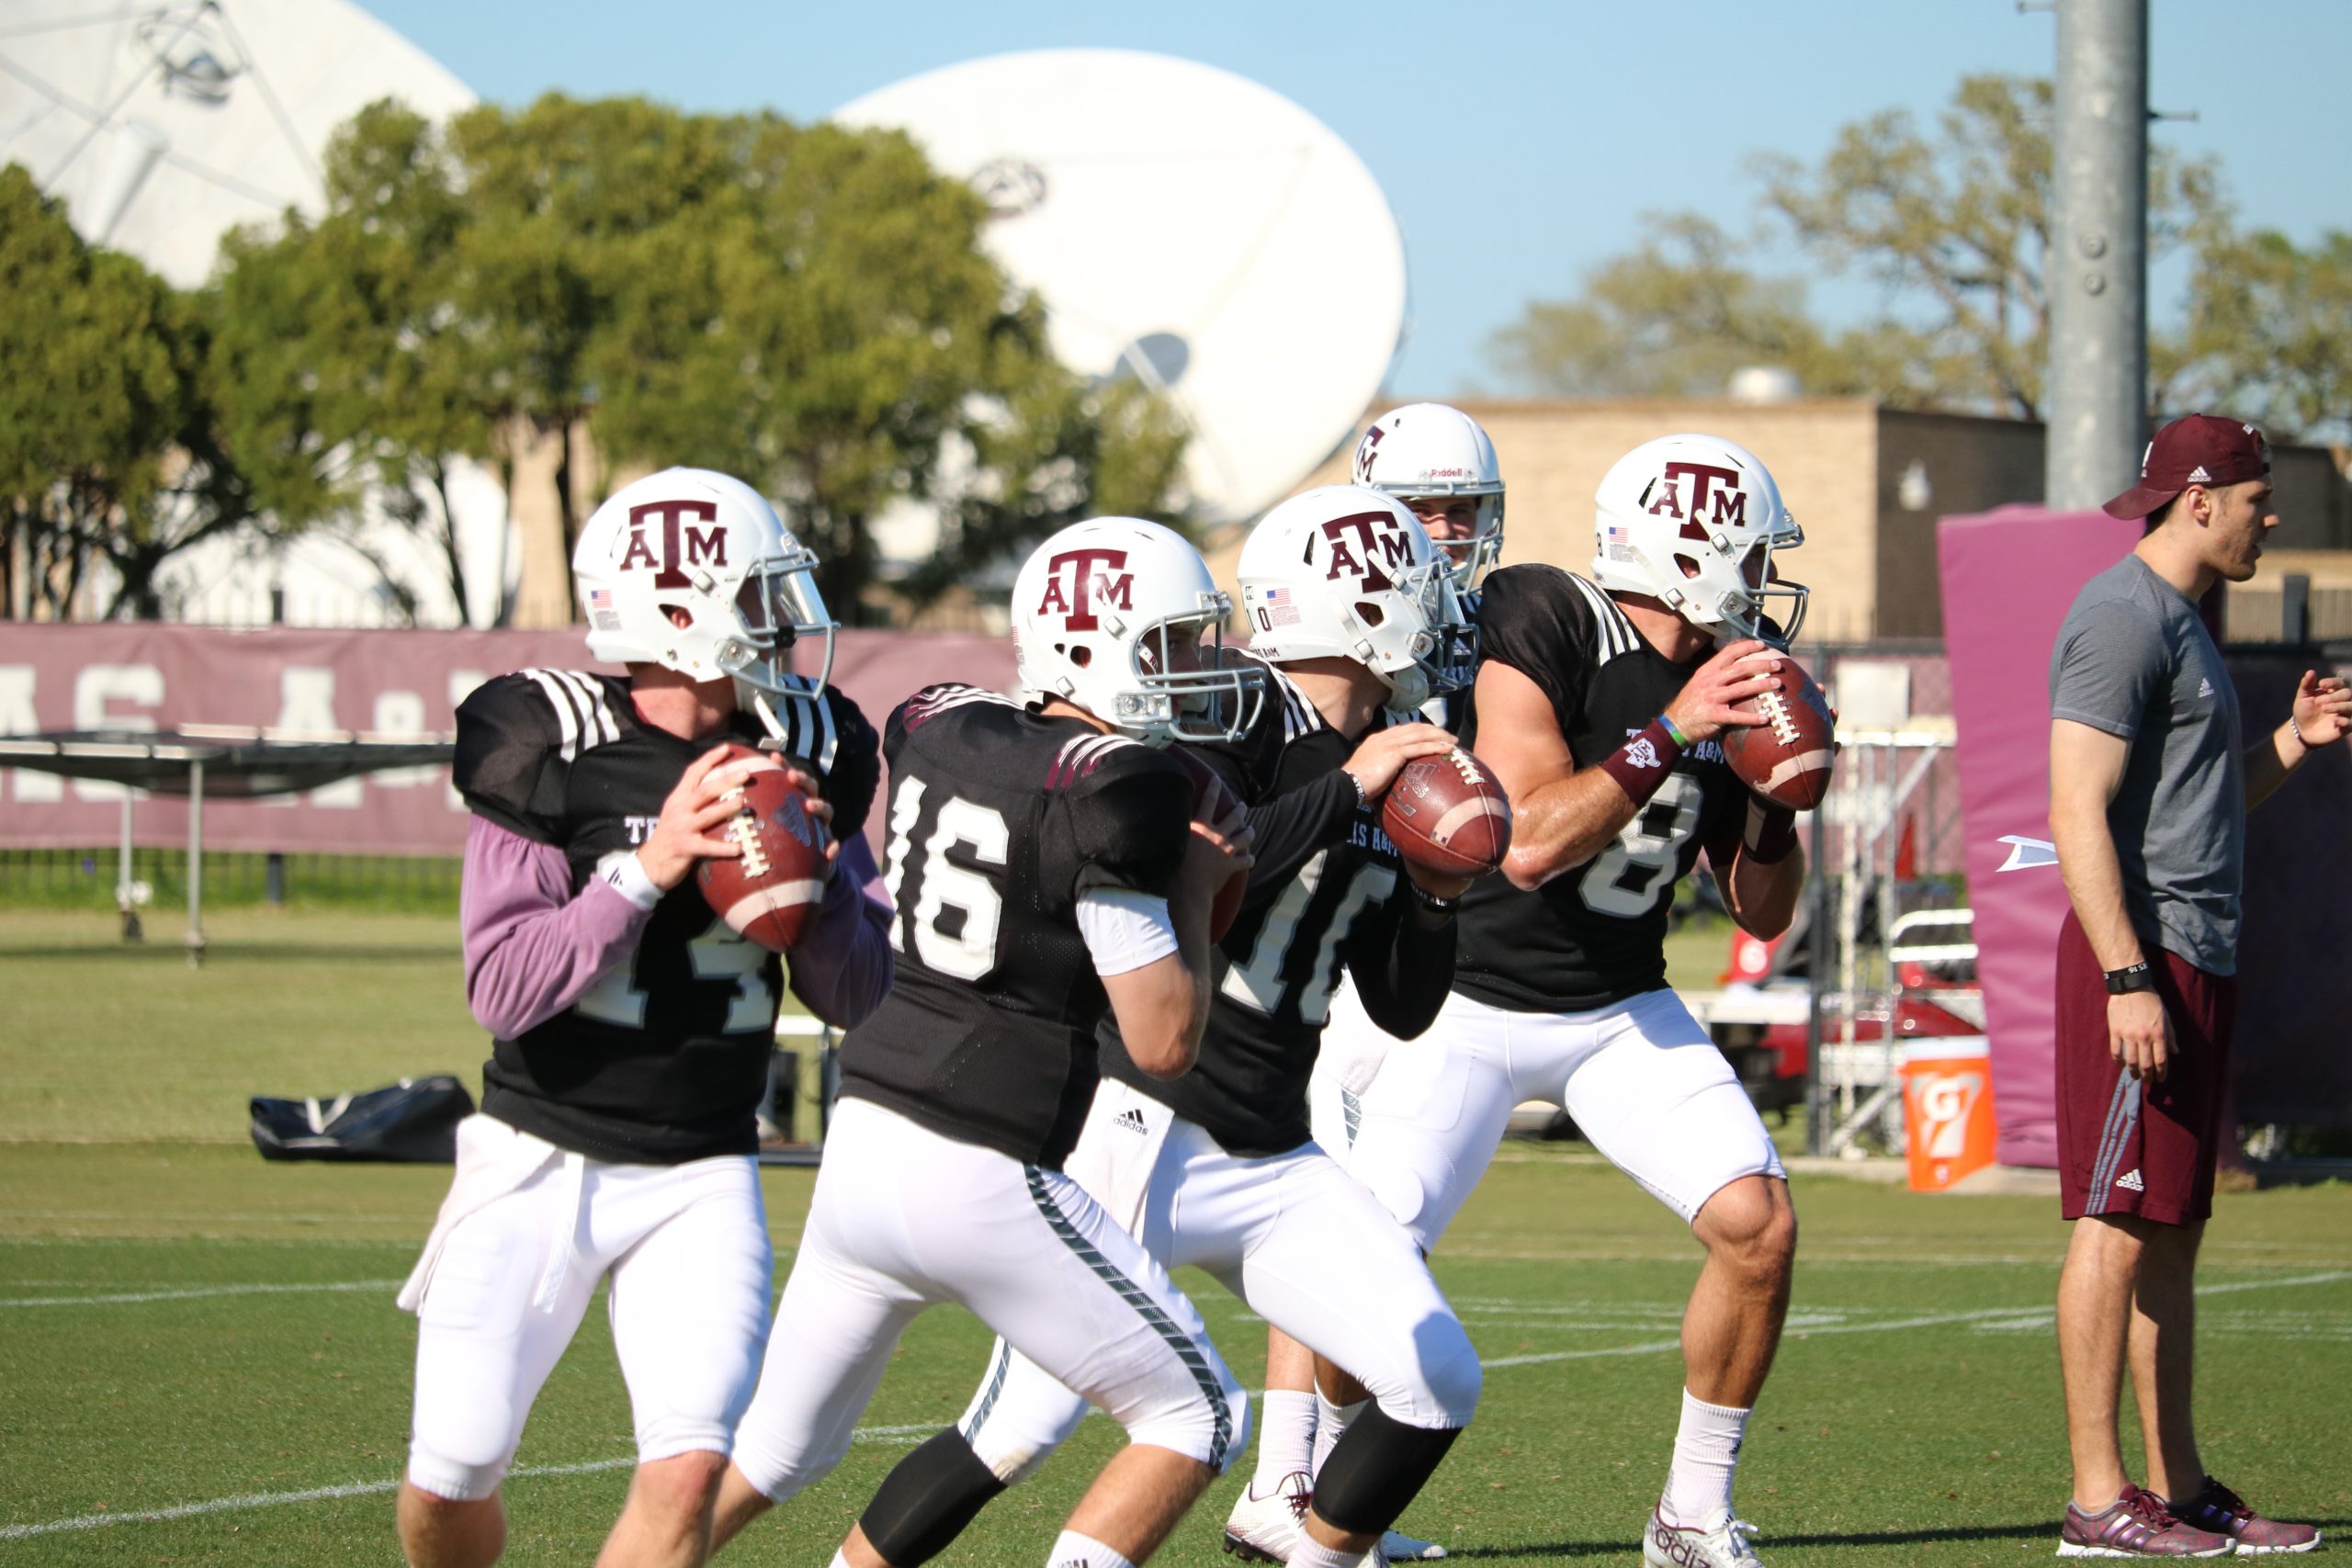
(200, 1362)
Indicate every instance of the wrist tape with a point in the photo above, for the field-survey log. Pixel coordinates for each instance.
(1641, 765)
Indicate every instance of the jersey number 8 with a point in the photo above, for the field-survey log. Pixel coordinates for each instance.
(1633, 875)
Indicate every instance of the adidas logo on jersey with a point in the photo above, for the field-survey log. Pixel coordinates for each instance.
(1132, 1120)
(2130, 1181)
(2204, 687)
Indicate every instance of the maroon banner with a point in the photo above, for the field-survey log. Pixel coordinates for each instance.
(144, 676)
(2009, 577)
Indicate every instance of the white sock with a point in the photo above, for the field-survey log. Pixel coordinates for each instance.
(1312, 1553)
(841, 1559)
(1331, 1425)
(1286, 1437)
(1072, 1550)
(1706, 1453)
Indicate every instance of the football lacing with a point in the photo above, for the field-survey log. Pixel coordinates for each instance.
(1776, 712)
(1464, 766)
(744, 829)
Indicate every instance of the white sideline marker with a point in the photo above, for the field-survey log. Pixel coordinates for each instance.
(194, 1293)
(901, 1434)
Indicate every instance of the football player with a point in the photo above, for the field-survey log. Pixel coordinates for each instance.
(1047, 868)
(633, 1027)
(1598, 704)
(1441, 463)
(1356, 619)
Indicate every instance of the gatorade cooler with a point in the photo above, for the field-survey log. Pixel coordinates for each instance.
(1947, 1110)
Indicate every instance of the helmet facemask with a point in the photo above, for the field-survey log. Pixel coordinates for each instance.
(1181, 687)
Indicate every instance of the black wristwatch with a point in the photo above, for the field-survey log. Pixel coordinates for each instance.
(2131, 977)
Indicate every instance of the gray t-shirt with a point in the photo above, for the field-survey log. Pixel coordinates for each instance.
(2134, 660)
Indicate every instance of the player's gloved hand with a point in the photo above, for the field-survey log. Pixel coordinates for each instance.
(2138, 1034)
(812, 785)
(682, 834)
(1216, 850)
(1704, 707)
(1385, 752)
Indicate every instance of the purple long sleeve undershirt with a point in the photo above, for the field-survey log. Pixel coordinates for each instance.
(532, 947)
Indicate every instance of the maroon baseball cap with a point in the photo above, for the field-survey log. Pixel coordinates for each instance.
(2195, 450)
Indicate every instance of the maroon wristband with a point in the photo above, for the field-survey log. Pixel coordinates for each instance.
(1641, 764)
(1772, 833)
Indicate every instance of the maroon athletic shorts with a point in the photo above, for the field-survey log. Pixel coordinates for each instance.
(2128, 1147)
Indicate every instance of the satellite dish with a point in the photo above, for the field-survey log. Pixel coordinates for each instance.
(162, 126)
(1184, 227)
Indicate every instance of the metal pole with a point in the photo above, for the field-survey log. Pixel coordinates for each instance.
(126, 906)
(2098, 272)
(196, 863)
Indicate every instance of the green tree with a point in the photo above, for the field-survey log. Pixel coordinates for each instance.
(2270, 335)
(1953, 224)
(106, 451)
(339, 357)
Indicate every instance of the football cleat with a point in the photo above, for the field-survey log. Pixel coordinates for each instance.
(1264, 1529)
(2137, 1524)
(2220, 1511)
(1398, 1546)
(1720, 1544)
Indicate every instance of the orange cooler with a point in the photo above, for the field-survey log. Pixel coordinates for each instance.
(1947, 1110)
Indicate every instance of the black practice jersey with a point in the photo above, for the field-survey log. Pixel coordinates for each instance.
(666, 1057)
(1327, 890)
(1000, 819)
(1594, 934)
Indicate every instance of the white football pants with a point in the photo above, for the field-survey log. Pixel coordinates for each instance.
(905, 1219)
(527, 1231)
(1645, 1084)
(1291, 1235)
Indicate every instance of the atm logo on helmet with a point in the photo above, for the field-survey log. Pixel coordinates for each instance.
(683, 544)
(1731, 501)
(1093, 586)
(1380, 540)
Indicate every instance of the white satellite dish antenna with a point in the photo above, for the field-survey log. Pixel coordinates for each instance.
(162, 126)
(1186, 227)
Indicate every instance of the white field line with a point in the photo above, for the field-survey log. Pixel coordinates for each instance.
(905, 1435)
(193, 1293)
(1994, 1317)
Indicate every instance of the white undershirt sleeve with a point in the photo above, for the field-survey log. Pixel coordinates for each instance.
(1124, 928)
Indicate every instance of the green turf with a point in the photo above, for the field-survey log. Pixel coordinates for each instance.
(1912, 1416)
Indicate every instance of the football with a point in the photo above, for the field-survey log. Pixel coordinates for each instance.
(1209, 788)
(1447, 814)
(770, 894)
(1787, 757)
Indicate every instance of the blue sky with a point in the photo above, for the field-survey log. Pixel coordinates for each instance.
(1518, 142)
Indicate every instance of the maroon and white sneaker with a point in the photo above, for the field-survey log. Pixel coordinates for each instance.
(2137, 1524)
(2217, 1508)
(1718, 1543)
(1265, 1528)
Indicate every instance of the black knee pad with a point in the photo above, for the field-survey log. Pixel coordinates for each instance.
(925, 1502)
(1378, 1467)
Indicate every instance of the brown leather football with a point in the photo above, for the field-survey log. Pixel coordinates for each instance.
(1786, 759)
(770, 894)
(1448, 814)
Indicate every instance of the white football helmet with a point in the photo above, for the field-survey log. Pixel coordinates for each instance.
(1110, 614)
(1431, 449)
(1346, 571)
(707, 544)
(1694, 520)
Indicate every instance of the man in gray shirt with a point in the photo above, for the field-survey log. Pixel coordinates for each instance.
(2148, 796)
